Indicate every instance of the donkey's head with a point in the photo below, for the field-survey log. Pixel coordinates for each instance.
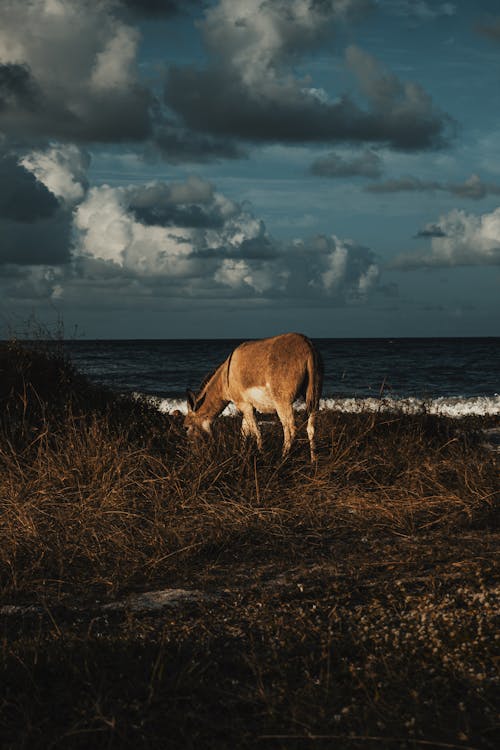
(198, 419)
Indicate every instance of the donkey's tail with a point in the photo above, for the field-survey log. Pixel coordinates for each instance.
(314, 379)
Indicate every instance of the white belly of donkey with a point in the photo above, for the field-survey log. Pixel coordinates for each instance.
(261, 399)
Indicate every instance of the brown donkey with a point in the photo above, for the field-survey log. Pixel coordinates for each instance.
(267, 376)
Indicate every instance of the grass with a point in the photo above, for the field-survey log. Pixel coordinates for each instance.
(348, 604)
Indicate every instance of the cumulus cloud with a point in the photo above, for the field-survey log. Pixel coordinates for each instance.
(367, 164)
(63, 240)
(164, 241)
(458, 239)
(473, 187)
(249, 90)
(190, 237)
(62, 169)
(68, 71)
(256, 37)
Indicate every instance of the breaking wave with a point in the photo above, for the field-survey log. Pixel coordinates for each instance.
(446, 406)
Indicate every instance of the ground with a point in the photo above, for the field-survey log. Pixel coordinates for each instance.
(156, 593)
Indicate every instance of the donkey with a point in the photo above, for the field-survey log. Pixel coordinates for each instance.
(266, 376)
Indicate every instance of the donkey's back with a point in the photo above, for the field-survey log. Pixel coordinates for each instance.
(286, 367)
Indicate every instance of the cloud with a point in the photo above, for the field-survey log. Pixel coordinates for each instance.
(189, 240)
(188, 204)
(161, 8)
(28, 284)
(400, 112)
(18, 89)
(367, 164)
(62, 169)
(22, 197)
(248, 89)
(34, 225)
(164, 241)
(431, 230)
(458, 239)
(256, 37)
(68, 71)
(178, 145)
(473, 187)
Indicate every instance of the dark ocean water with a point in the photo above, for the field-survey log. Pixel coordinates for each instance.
(458, 371)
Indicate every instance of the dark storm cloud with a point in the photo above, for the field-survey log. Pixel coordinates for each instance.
(42, 242)
(22, 197)
(473, 188)
(367, 164)
(220, 101)
(101, 118)
(177, 145)
(187, 204)
(191, 204)
(180, 216)
(74, 76)
(35, 228)
(162, 8)
(400, 112)
(249, 89)
(18, 89)
(431, 230)
(213, 101)
(77, 80)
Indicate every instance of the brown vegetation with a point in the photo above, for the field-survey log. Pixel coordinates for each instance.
(348, 604)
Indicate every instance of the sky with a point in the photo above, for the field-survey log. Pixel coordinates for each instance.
(241, 168)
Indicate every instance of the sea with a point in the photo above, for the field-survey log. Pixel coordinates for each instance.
(453, 377)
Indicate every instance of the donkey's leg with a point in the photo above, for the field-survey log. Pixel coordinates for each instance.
(311, 423)
(249, 425)
(287, 419)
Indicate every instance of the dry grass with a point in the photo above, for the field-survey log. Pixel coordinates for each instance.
(85, 506)
(353, 601)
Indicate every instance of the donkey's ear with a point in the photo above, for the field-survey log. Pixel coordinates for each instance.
(191, 400)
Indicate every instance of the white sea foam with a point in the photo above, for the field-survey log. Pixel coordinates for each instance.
(446, 406)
